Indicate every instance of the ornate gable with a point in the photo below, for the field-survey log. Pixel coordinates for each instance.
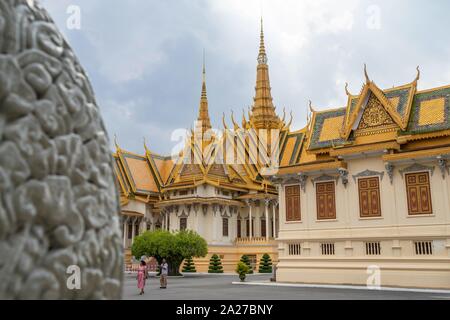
(375, 118)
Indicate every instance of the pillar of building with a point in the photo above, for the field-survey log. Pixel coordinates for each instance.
(125, 231)
(250, 224)
(133, 228)
(274, 219)
(267, 202)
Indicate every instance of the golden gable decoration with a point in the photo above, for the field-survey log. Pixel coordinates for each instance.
(374, 115)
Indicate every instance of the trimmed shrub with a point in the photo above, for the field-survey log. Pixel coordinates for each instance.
(265, 264)
(189, 265)
(215, 264)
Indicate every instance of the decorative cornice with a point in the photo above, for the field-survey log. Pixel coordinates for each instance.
(324, 177)
(417, 167)
(368, 173)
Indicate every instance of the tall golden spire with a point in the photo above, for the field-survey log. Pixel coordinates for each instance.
(263, 111)
(203, 114)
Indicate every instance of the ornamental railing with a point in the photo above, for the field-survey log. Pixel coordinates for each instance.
(253, 240)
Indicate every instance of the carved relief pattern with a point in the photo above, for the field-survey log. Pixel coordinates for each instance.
(374, 115)
(58, 201)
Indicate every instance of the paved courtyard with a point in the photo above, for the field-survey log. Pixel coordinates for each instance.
(220, 287)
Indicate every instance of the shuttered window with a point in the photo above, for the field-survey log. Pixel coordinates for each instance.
(239, 232)
(225, 227)
(263, 227)
(183, 223)
(292, 198)
(369, 197)
(325, 200)
(418, 192)
(248, 226)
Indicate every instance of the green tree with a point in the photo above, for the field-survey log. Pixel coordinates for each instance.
(245, 259)
(173, 246)
(265, 264)
(215, 264)
(189, 265)
(242, 270)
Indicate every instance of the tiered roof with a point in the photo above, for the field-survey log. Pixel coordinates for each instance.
(373, 120)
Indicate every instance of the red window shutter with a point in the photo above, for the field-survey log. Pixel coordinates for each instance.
(292, 200)
(418, 193)
(325, 201)
(369, 197)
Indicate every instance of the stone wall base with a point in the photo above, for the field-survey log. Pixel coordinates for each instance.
(408, 273)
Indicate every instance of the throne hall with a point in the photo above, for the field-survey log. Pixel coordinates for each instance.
(361, 190)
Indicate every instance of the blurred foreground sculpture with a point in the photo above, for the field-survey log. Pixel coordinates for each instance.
(58, 202)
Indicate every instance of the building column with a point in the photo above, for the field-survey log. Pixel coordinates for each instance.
(267, 202)
(125, 229)
(250, 221)
(133, 226)
(274, 219)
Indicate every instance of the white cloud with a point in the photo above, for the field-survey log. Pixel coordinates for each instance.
(144, 57)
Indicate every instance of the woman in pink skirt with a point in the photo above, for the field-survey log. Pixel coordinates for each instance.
(142, 276)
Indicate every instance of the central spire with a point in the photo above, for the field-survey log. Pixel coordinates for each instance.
(263, 114)
(203, 115)
(262, 57)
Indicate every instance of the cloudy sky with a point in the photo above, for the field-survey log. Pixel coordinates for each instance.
(144, 57)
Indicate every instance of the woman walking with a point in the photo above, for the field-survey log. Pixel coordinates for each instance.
(142, 276)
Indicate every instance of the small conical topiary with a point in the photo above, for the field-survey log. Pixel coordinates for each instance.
(245, 259)
(265, 264)
(215, 264)
(189, 265)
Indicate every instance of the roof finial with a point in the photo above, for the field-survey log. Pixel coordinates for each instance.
(262, 57)
(346, 89)
(223, 122)
(204, 68)
(115, 142)
(203, 112)
(418, 74)
(310, 107)
(244, 121)
(236, 126)
(365, 74)
(290, 120)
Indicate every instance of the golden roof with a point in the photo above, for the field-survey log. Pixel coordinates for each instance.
(399, 120)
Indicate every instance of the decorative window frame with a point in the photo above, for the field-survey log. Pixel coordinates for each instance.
(364, 175)
(417, 167)
(368, 174)
(326, 178)
(284, 203)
